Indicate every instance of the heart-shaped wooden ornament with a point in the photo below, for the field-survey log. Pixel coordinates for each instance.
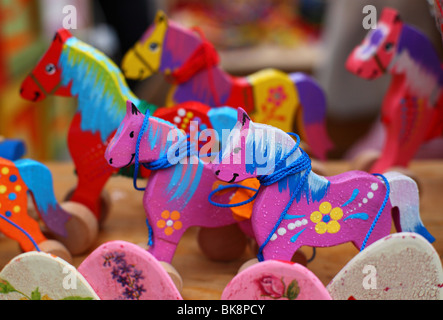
(119, 270)
(401, 266)
(41, 276)
(275, 280)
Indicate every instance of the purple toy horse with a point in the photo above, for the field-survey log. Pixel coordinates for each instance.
(176, 196)
(353, 206)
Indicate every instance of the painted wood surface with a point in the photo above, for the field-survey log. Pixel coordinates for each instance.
(401, 266)
(17, 179)
(325, 211)
(191, 64)
(412, 109)
(41, 276)
(119, 270)
(11, 149)
(275, 280)
(176, 197)
(204, 278)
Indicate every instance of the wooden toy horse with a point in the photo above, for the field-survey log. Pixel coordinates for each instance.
(177, 191)
(71, 67)
(295, 207)
(192, 65)
(412, 110)
(16, 179)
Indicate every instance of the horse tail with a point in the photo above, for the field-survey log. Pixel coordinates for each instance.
(313, 103)
(38, 179)
(405, 205)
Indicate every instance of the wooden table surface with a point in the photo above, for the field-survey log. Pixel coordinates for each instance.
(205, 279)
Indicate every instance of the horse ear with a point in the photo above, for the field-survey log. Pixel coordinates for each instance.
(243, 117)
(62, 35)
(390, 15)
(131, 109)
(160, 17)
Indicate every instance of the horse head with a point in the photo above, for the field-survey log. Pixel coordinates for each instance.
(144, 58)
(373, 57)
(45, 78)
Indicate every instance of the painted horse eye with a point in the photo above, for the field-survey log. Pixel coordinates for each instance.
(50, 68)
(153, 46)
(389, 46)
(237, 150)
(131, 134)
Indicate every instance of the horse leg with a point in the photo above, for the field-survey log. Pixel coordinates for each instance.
(20, 227)
(87, 151)
(405, 200)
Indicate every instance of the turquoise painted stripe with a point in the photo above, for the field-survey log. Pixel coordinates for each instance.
(291, 216)
(295, 237)
(362, 216)
(354, 195)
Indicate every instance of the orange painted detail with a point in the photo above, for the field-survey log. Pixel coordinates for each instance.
(13, 206)
(244, 212)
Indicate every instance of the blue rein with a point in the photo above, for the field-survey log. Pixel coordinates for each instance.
(302, 163)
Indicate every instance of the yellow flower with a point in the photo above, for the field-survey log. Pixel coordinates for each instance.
(170, 222)
(326, 218)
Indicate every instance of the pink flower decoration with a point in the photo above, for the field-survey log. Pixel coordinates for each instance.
(277, 95)
(271, 286)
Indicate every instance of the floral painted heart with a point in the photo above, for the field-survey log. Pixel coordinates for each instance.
(41, 276)
(119, 270)
(275, 280)
(401, 266)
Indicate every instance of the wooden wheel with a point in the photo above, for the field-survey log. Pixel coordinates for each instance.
(105, 205)
(222, 244)
(56, 248)
(82, 228)
(173, 273)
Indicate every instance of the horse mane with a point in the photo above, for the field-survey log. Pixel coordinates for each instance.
(178, 45)
(186, 176)
(417, 57)
(98, 83)
(316, 187)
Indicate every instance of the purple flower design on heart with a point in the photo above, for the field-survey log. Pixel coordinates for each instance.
(125, 274)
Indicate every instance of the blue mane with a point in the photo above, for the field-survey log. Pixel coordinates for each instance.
(186, 176)
(316, 187)
(99, 85)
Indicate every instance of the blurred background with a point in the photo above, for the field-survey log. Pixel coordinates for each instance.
(313, 36)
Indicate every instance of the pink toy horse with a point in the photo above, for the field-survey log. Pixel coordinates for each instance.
(296, 207)
(176, 196)
(412, 110)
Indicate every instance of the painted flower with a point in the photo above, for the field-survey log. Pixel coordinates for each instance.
(275, 288)
(170, 222)
(271, 286)
(326, 219)
(276, 95)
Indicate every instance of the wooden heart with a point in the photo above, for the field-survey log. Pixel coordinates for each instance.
(42, 276)
(400, 266)
(275, 280)
(119, 270)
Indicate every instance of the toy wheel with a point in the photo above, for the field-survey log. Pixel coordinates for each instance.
(56, 248)
(82, 228)
(365, 160)
(173, 273)
(105, 205)
(224, 244)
